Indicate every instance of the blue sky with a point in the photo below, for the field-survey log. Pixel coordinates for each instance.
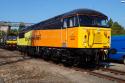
(34, 11)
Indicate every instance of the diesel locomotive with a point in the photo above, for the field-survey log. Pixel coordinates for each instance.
(11, 42)
(77, 37)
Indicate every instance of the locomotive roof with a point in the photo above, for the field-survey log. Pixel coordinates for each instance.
(84, 11)
(74, 12)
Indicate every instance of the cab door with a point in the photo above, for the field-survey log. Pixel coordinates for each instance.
(64, 32)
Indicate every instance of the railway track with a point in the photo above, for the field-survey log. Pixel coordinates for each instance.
(114, 77)
(109, 77)
(113, 71)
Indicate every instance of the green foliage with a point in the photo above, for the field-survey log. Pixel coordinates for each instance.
(117, 29)
(13, 32)
(110, 22)
(2, 33)
(21, 26)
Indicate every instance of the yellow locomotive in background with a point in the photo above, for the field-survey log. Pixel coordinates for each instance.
(11, 42)
(77, 37)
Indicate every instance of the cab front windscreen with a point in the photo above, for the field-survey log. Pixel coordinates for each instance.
(12, 38)
(94, 21)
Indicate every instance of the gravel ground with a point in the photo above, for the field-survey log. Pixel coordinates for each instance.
(117, 66)
(16, 68)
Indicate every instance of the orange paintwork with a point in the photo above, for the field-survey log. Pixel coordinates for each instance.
(72, 37)
(56, 38)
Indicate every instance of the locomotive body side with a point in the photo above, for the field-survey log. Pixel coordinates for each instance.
(60, 38)
(76, 37)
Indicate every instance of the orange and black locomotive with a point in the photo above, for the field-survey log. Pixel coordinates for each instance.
(76, 37)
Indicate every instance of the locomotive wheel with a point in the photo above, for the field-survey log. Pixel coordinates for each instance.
(69, 62)
(46, 55)
(67, 59)
(76, 61)
(57, 57)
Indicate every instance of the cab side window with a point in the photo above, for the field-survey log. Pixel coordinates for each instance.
(70, 22)
(21, 35)
(65, 23)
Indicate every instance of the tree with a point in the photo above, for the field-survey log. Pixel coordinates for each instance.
(13, 32)
(2, 33)
(21, 26)
(117, 26)
(117, 29)
(110, 22)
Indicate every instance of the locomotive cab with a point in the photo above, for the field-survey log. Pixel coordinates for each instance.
(89, 31)
(88, 34)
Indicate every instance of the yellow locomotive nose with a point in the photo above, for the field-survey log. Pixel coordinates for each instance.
(92, 37)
